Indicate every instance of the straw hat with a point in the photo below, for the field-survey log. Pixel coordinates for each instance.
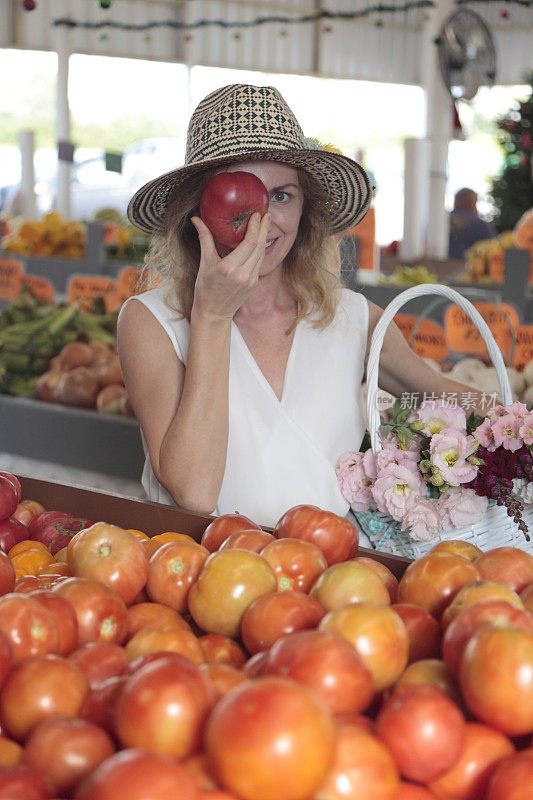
(244, 123)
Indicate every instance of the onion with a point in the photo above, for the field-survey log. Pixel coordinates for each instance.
(78, 387)
(108, 370)
(76, 354)
(108, 398)
(47, 385)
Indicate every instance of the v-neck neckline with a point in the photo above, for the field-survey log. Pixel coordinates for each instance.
(259, 372)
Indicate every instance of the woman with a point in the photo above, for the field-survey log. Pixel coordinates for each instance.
(244, 367)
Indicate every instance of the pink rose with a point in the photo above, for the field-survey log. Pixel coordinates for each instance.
(506, 432)
(422, 520)
(483, 435)
(393, 489)
(460, 508)
(356, 473)
(436, 418)
(525, 430)
(390, 444)
(448, 453)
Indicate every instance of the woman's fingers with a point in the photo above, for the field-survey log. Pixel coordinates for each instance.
(207, 243)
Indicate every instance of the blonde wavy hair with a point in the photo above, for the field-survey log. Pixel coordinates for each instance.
(311, 269)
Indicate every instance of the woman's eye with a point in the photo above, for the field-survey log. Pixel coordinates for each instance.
(280, 197)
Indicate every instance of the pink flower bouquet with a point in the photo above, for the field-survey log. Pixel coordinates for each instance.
(438, 470)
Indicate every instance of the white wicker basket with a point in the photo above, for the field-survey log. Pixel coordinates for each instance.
(496, 529)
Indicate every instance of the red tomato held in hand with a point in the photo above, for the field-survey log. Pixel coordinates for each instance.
(336, 536)
(228, 201)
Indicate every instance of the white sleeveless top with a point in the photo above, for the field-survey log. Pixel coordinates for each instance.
(283, 453)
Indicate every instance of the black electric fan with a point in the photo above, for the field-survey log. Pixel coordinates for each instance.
(467, 54)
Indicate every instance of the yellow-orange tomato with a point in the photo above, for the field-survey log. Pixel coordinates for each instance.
(482, 591)
(31, 562)
(141, 535)
(10, 752)
(62, 555)
(151, 640)
(229, 581)
(56, 568)
(25, 545)
(172, 536)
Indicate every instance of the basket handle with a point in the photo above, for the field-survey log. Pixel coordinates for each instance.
(379, 334)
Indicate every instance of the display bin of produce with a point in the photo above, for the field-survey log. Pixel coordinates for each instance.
(151, 518)
(76, 437)
(58, 269)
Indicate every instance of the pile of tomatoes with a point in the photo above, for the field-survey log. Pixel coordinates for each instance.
(259, 665)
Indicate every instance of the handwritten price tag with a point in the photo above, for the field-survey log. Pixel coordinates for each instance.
(85, 288)
(41, 288)
(425, 336)
(11, 274)
(463, 336)
(523, 352)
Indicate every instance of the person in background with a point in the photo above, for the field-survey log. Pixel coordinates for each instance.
(244, 366)
(466, 226)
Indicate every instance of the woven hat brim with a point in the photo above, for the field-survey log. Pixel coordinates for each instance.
(344, 181)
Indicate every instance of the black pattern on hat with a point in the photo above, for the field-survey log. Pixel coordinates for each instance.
(243, 123)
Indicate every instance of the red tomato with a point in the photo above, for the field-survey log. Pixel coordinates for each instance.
(151, 640)
(327, 664)
(423, 729)
(508, 565)
(7, 574)
(174, 567)
(221, 527)
(64, 616)
(349, 582)
(222, 650)
(15, 483)
(162, 707)
(222, 677)
(27, 510)
(363, 768)
(526, 596)
(57, 533)
(387, 576)
(483, 749)
(40, 520)
(378, 635)
(270, 738)
(41, 687)
(136, 775)
(11, 532)
(228, 201)
(153, 615)
(467, 622)
(458, 547)
(64, 750)
(22, 782)
(296, 564)
(99, 705)
(336, 536)
(433, 580)
(477, 592)
(229, 581)
(10, 752)
(431, 671)
(100, 611)
(496, 678)
(277, 614)
(423, 631)
(110, 555)
(29, 627)
(248, 540)
(512, 778)
(99, 660)
(413, 791)
(6, 658)
(8, 497)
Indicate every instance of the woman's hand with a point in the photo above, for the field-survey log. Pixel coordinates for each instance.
(224, 283)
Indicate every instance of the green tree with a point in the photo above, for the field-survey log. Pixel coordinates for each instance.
(512, 188)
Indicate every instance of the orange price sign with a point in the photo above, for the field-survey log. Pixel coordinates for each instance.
(463, 336)
(39, 287)
(85, 288)
(523, 352)
(11, 274)
(425, 336)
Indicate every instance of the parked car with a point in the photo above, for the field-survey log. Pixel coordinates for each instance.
(92, 185)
